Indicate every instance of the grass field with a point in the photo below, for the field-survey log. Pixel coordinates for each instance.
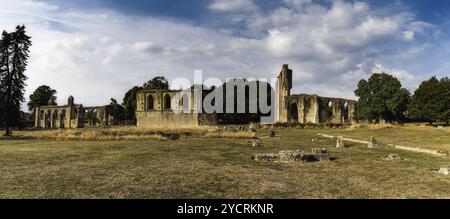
(214, 164)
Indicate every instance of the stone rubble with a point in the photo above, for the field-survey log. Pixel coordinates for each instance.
(393, 157)
(272, 134)
(444, 170)
(256, 143)
(267, 157)
(339, 142)
(318, 154)
(373, 143)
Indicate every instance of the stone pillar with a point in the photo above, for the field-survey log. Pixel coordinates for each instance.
(51, 120)
(302, 119)
(316, 110)
(37, 120)
(339, 142)
(283, 90)
(373, 143)
(338, 112)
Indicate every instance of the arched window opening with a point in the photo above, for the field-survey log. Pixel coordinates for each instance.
(62, 118)
(150, 102)
(167, 102)
(293, 112)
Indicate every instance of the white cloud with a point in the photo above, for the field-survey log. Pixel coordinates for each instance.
(408, 35)
(407, 79)
(233, 5)
(97, 54)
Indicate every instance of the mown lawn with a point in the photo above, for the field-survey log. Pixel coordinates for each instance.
(414, 136)
(219, 168)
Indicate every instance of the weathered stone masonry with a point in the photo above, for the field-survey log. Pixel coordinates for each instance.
(306, 108)
(157, 108)
(72, 116)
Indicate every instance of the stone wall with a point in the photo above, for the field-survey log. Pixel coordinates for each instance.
(72, 116)
(157, 108)
(306, 108)
(170, 118)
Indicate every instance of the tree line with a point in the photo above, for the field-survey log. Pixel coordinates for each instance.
(382, 97)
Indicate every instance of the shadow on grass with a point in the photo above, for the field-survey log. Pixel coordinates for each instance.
(15, 138)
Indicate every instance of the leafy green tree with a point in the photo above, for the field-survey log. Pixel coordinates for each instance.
(446, 82)
(246, 117)
(14, 53)
(129, 103)
(382, 97)
(117, 110)
(5, 45)
(431, 101)
(41, 97)
(158, 83)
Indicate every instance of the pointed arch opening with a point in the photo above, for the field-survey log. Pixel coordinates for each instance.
(293, 112)
(167, 102)
(150, 102)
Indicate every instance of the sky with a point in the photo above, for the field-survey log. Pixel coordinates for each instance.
(98, 49)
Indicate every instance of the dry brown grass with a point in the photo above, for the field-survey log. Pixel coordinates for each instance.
(133, 133)
(222, 168)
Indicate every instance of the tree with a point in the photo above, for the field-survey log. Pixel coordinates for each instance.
(246, 117)
(129, 103)
(382, 97)
(14, 53)
(117, 110)
(41, 97)
(446, 100)
(5, 45)
(431, 101)
(158, 83)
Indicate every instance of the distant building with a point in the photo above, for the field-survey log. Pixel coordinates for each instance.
(174, 108)
(157, 108)
(307, 108)
(72, 116)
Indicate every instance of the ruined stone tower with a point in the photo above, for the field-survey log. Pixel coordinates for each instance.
(283, 90)
(309, 108)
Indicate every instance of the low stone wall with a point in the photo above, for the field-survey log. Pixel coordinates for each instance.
(165, 118)
(369, 143)
(170, 118)
(318, 154)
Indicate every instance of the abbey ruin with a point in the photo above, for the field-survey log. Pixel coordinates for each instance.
(157, 108)
(72, 116)
(306, 108)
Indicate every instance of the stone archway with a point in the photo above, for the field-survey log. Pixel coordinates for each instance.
(167, 102)
(62, 119)
(293, 112)
(150, 103)
(54, 118)
(48, 116)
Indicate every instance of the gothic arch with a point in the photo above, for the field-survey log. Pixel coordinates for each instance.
(54, 118)
(293, 112)
(167, 102)
(62, 119)
(150, 102)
